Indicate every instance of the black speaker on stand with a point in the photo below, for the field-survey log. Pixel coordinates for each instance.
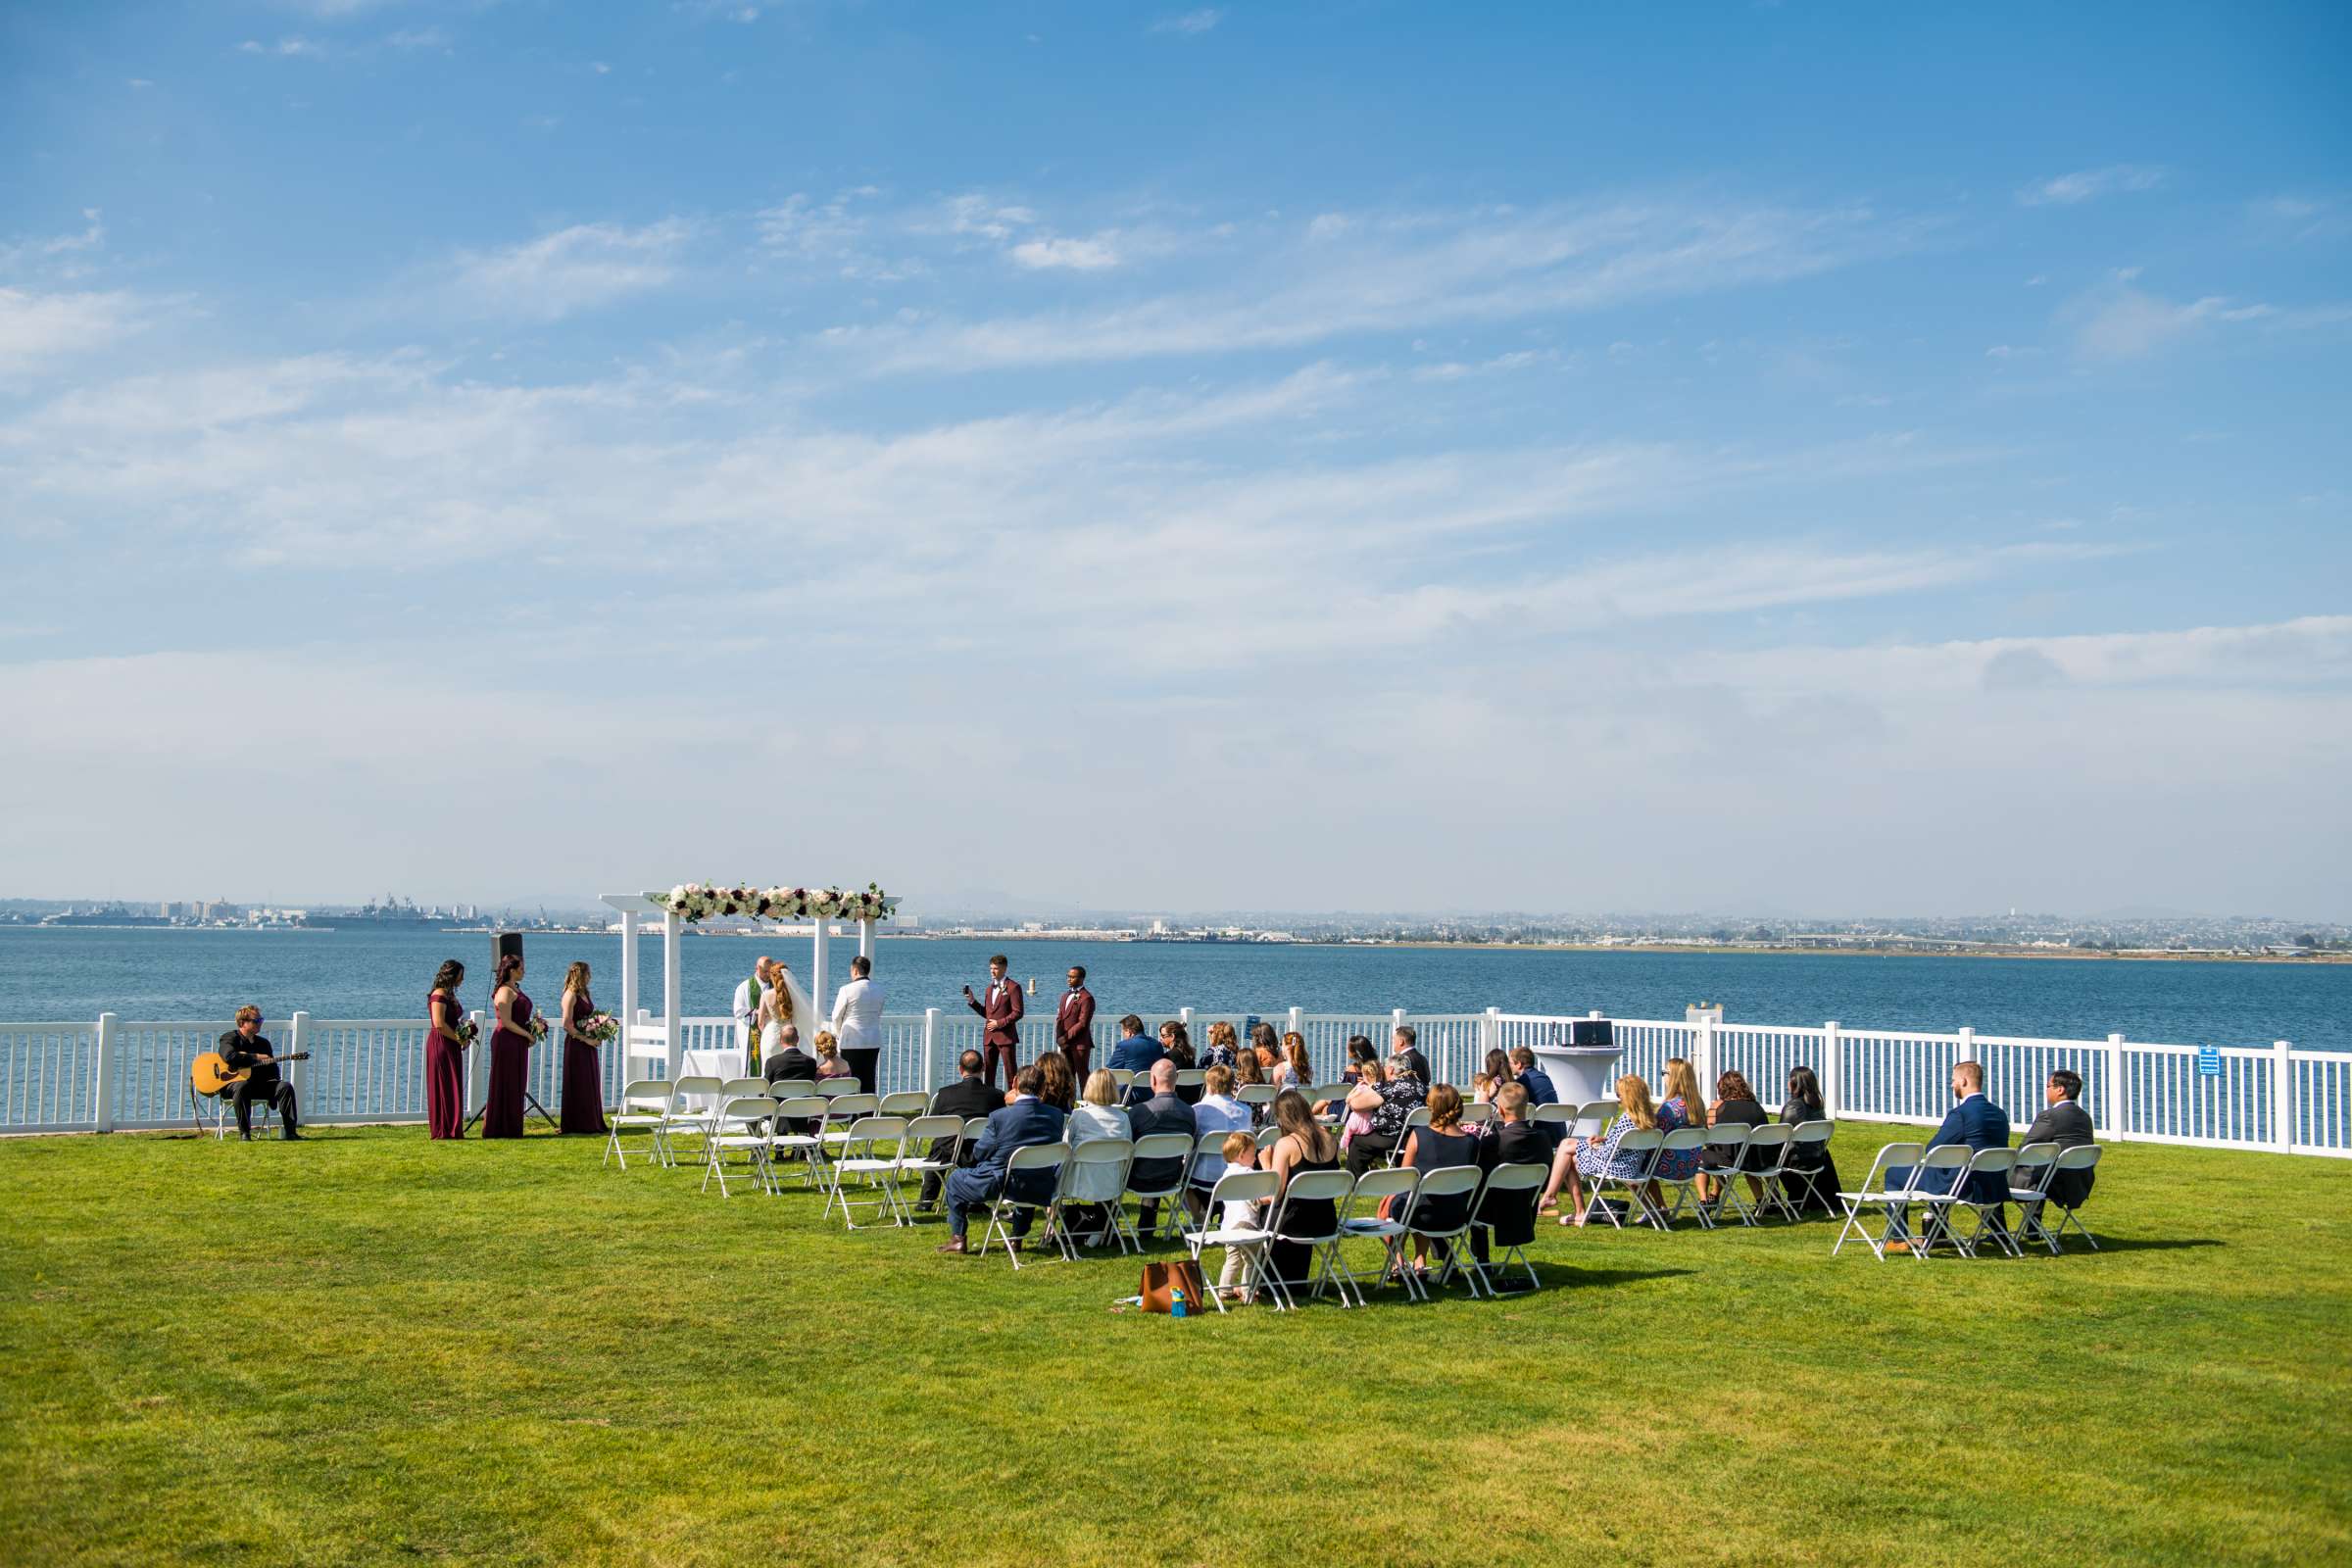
(503, 946)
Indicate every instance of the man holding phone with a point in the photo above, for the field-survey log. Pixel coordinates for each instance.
(1001, 1015)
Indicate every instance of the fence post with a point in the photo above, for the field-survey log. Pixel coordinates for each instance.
(1831, 1050)
(1395, 1022)
(1968, 1052)
(1299, 1022)
(2283, 1094)
(103, 1074)
(299, 1041)
(1703, 1052)
(1490, 1034)
(2113, 1101)
(930, 1046)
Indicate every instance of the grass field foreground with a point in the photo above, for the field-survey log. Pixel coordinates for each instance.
(372, 1348)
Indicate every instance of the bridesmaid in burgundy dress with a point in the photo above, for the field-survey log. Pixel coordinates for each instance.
(510, 1052)
(583, 1076)
(445, 1053)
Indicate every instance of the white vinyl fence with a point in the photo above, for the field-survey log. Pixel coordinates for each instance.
(108, 1074)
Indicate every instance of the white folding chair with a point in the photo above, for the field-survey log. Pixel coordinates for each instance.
(1032, 1160)
(1168, 1195)
(1764, 1160)
(869, 1155)
(1957, 1201)
(791, 1088)
(694, 1103)
(1122, 1079)
(735, 1126)
(1478, 1113)
(1414, 1119)
(1099, 1162)
(740, 1088)
(2082, 1156)
(644, 1106)
(834, 1087)
(1593, 1116)
(1506, 1185)
(807, 1112)
(1192, 1077)
(922, 1133)
(1554, 1114)
(1809, 1150)
(1682, 1141)
(2028, 1181)
(842, 1111)
(1892, 1201)
(1730, 1143)
(1254, 1094)
(1248, 1242)
(1337, 1094)
(907, 1103)
(1631, 1168)
(1335, 1187)
(1267, 1136)
(1395, 1186)
(1444, 1237)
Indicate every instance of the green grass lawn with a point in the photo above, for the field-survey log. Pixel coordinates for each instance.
(378, 1349)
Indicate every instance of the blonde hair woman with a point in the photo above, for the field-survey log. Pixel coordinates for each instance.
(1580, 1157)
(1682, 1106)
(583, 1070)
(828, 1057)
(1098, 1115)
(1223, 1045)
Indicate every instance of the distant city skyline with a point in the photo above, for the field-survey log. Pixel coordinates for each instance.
(1746, 457)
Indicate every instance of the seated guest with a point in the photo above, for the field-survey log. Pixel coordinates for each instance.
(1176, 1040)
(1266, 1045)
(1440, 1146)
(1582, 1159)
(1160, 1111)
(247, 1051)
(1736, 1106)
(1359, 1050)
(2064, 1122)
(1098, 1115)
(1294, 1070)
(1975, 1121)
(829, 1062)
(1025, 1123)
(1136, 1050)
(1515, 1141)
(1812, 1178)
(1224, 1046)
(1061, 1089)
(1356, 1123)
(1682, 1106)
(1305, 1145)
(967, 1097)
(1539, 1092)
(1217, 1112)
(1248, 1071)
(788, 1063)
(1388, 1104)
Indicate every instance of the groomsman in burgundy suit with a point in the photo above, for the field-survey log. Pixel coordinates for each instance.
(1074, 1024)
(1001, 1011)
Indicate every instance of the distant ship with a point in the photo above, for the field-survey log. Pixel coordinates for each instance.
(111, 914)
(393, 914)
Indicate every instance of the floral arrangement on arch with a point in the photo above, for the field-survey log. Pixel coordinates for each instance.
(696, 900)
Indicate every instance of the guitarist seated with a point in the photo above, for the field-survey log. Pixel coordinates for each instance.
(246, 1052)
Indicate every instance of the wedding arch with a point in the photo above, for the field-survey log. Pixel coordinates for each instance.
(647, 1042)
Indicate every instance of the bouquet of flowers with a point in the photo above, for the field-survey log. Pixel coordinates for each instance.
(601, 1027)
(537, 1028)
(469, 1031)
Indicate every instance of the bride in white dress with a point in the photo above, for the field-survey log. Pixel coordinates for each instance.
(784, 1002)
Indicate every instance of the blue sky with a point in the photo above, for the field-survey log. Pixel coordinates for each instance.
(1310, 457)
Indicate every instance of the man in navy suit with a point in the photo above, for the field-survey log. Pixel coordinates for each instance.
(1975, 1121)
(1136, 1050)
(1021, 1124)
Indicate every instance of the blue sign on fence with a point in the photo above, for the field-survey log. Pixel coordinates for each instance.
(2209, 1060)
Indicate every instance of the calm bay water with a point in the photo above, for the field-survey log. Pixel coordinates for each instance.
(77, 973)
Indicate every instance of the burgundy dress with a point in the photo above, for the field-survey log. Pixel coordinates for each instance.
(444, 1070)
(583, 1075)
(510, 1070)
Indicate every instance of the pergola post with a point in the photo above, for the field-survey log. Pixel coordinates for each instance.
(816, 985)
(865, 940)
(673, 1001)
(628, 986)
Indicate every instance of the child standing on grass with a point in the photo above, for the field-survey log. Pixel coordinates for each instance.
(1240, 1150)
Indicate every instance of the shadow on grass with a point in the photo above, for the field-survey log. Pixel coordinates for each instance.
(2126, 1243)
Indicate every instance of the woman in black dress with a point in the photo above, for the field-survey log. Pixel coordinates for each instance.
(1440, 1146)
(509, 1053)
(1305, 1145)
(1734, 1105)
(1812, 1175)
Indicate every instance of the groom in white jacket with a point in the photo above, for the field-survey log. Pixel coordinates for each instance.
(857, 1024)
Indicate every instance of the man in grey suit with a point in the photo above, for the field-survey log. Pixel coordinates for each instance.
(2064, 1122)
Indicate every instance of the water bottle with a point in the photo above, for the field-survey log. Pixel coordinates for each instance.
(1176, 1302)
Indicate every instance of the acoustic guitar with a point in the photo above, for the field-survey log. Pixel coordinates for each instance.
(212, 1075)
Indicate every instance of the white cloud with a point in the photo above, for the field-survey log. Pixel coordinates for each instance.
(31, 253)
(1397, 273)
(1066, 254)
(2066, 190)
(2119, 321)
(571, 269)
(1190, 22)
(36, 329)
(288, 48)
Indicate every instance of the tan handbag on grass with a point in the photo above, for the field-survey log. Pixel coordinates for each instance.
(1162, 1280)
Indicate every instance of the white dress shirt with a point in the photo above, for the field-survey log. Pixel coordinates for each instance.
(857, 1015)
